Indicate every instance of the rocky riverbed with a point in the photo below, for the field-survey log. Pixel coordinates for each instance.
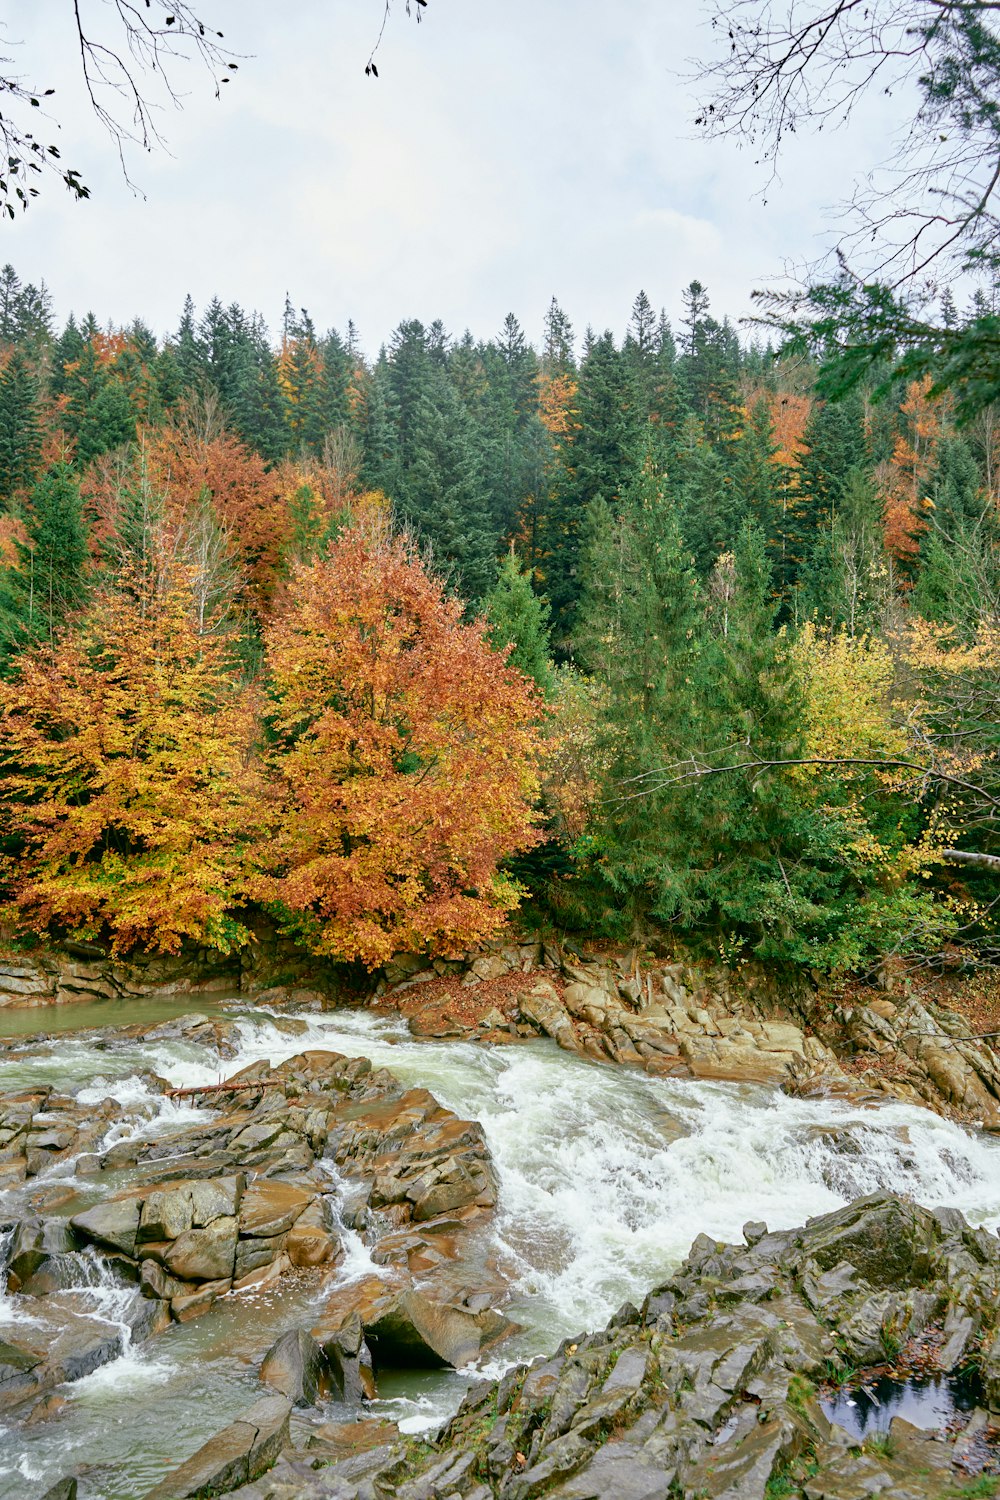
(718, 1385)
(271, 1249)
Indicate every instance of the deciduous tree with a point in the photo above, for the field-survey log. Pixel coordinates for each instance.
(404, 758)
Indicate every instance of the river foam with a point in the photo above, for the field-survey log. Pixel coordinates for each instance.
(606, 1176)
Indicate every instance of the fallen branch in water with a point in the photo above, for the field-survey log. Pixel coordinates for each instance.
(222, 1088)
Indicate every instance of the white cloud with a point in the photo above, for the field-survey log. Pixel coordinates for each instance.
(506, 154)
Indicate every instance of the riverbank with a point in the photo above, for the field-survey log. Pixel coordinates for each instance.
(917, 1039)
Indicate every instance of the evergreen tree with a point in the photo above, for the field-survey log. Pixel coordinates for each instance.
(709, 366)
(640, 629)
(20, 428)
(513, 443)
(710, 506)
(557, 343)
(68, 351)
(959, 577)
(10, 300)
(381, 465)
(441, 494)
(836, 450)
(48, 582)
(846, 581)
(189, 351)
(518, 618)
(598, 462)
(107, 422)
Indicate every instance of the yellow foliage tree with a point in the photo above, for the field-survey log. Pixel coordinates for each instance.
(130, 804)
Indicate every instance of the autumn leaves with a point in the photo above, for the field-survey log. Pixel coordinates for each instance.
(364, 785)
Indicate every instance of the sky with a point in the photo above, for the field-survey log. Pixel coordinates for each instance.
(509, 151)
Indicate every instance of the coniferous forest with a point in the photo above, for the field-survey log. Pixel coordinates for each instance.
(630, 629)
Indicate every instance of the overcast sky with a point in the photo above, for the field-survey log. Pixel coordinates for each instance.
(510, 151)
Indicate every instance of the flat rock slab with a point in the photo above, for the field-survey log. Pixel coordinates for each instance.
(240, 1453)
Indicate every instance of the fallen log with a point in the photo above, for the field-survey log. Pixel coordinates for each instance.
(222, 1088)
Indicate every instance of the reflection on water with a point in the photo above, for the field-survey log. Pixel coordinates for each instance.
(82, 1015)
(931, 1403)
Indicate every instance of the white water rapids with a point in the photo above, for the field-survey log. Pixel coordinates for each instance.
(606, 1176)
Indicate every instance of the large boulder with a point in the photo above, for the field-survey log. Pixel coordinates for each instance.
(414, 1330)
(349, 1362)
(206, 1254)
(884, 1238)
(293, 1366)
(114, 1222)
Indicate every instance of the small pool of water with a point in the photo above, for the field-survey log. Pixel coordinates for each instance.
(931, 1403)
(32, 1021)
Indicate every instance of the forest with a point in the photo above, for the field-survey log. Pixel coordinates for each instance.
(635, 632)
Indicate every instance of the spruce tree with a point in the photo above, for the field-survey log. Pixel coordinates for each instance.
(641, 628)
(68, 350)
(20, 429)
(518, 618)
(598, 461)
(48, 581)
(107, 422)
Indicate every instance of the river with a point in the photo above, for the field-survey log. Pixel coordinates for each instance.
(606, 1176)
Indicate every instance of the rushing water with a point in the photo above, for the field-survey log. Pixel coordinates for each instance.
(606, 1176)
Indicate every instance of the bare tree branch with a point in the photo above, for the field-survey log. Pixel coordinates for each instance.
(933, 205)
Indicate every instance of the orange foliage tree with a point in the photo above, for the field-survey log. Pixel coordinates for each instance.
(904, 479)
(191, 467)
(129, 795)
(404, 760)
(789, 416)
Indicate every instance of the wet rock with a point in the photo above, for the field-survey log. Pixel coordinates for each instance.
(711, 1390)
(34, 1243)
(349, 1362)
(64, 1489)
(881, 1237)
(413, 1330)
(311, 1241)
(541, 1007)
(240, 1453)
(197, 1300)
(215, 1199)
(269, 1208)
(114, 1222)
(293, 1366)
(165, 1215)
(62, 1346)
(206, 1254)
(18, 1367)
